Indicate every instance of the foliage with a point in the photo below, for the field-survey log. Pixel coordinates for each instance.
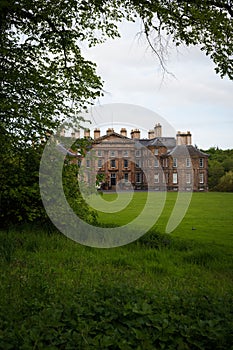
(226, 182)
(44, 76)
(216, 171)
(120, 317)
(220, 163)
(20, 198)
(46, 80)
(204, 22)
(19, 195)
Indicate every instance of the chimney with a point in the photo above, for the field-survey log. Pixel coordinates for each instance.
(77, 134)
(86, 132)
(63, 132)
(109, 131)
(183, 138)
(124, 132)
(158, 130)
(189, 138)
(135, 134)
(96, 133)
(151, 134)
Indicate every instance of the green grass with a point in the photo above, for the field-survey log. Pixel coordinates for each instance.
(164, 291)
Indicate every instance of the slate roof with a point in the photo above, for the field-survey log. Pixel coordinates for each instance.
(168, 142)
(183, 149)
(113, 133)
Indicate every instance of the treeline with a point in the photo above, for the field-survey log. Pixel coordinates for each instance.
(220, 174)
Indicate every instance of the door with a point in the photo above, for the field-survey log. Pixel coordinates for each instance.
(113, 179)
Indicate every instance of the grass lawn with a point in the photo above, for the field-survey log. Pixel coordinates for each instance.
(164, 291)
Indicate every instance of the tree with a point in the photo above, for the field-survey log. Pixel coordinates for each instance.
(226, 182)
(45, 78)
(207, 23)
(216, 171)
(43, 72)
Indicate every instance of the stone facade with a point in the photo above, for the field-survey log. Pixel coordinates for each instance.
(156, 163)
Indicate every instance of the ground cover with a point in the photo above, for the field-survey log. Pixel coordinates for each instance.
(164, 291)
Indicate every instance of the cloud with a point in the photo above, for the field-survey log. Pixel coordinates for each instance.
(196, 98)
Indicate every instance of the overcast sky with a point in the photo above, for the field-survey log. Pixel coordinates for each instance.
(196, 99)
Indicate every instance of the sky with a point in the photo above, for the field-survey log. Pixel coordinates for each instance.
(193, 98)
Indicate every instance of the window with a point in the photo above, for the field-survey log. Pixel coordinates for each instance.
(165, 162)
(201, 178)
(188, 162)
(201, 163)
(99, 163)
(125, 153)
(188, 178)
(112, 153)
(137, 153)
(113, 163)
(138, 177)
(175, 178)
(149, 162)
(156, 152)
(174, 162)
(126, 163)
(113, 179)
(156, 163)
(138, 163)
(126, 177)
(99, 153)
(88, 163)
(156, 178)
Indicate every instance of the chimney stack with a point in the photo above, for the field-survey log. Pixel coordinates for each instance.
(158, 130)
(189, 138)
(77, 134)
(96, 133)
(135, 134)
(63, 132)
(87, 133)
(151, 134)
(124, 132)
(109, 131)
(183, 138)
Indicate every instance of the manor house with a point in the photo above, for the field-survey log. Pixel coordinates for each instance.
(156, 163)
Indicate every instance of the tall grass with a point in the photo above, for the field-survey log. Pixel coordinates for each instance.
(161, 292)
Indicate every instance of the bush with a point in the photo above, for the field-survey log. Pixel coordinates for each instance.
(120, 317)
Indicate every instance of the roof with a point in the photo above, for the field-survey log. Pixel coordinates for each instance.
(168, 142)
(113, 133)
(181, 150)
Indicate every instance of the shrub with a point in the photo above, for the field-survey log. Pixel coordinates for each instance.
(120, 317)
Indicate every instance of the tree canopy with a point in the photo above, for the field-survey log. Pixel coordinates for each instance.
(43, 72)
(45, 78)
